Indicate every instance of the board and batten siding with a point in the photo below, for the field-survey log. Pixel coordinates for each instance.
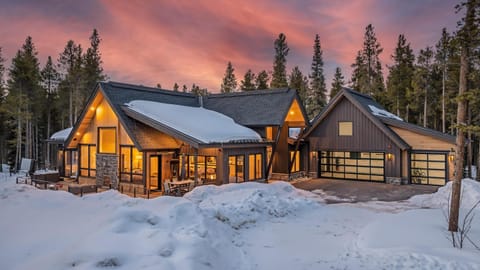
(367, 137)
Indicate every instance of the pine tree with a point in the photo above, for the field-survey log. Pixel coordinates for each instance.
(24, 100)
(50, 81)
(184, 88)
(261, 81)
(159, 86)
(279, 76)
(367, 75)
(441, 58)
(93, 71)
(299, 82)
(175, 87)
(469, 39)
(70, 63)
(248, 82)
(400, 78)
(422, 84)
(229, 82)
(337, 83)
(317, 97)
(3, 120)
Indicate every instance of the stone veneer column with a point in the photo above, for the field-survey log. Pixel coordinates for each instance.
(107, 170)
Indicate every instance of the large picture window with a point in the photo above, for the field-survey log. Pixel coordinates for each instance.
(107, 140)
(131, 164)
(236, 168)
(369, 166)
(206, 167)
(255, 167)
(428, 168)
(88, 160)
(345, 129)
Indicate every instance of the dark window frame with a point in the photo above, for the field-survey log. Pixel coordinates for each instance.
(237, 158)
(99, 139)
(131, 173)
(205, 167)
(88, 168)
(427, 153)
(329, 156)
(255, 169)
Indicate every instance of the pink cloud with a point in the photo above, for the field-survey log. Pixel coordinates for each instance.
(189, 42)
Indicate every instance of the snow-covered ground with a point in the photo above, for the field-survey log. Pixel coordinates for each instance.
(236, 226)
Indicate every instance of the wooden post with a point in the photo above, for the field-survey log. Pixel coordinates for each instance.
(274, 148)
(195, 170)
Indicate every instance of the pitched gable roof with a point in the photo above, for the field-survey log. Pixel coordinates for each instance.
(361, 102)
(255, 108)
(382, 118)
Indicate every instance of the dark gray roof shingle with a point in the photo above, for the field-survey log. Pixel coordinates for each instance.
(254, 108)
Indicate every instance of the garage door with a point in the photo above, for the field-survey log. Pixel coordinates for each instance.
(428, 168)
(366, 166)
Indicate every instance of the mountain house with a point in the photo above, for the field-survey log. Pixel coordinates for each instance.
(136, 136)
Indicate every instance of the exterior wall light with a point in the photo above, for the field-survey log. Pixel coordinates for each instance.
(389, 156)
(451, 156)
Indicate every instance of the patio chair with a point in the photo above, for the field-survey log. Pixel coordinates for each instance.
(191, 186)
(166, 188)
(26, 166)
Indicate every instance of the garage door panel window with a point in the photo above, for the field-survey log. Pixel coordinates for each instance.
(428, 168)
(352, 165)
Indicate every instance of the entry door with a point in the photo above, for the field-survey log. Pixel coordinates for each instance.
(155, 174)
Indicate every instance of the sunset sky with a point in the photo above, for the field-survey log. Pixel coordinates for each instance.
(150, 42)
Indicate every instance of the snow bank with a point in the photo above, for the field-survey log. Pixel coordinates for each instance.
(248, 203)
(57, 230)
(470, 195)
(202, 124)
(61, 135)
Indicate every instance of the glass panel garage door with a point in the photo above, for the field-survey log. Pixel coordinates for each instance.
(428, 168)
(368, 166)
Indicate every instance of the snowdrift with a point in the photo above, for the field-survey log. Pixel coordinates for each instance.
(470, 195)
(241, 205)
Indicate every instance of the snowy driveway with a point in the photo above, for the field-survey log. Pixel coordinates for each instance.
(336, 191)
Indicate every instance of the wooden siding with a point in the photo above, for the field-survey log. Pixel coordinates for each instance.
(367, 137)
(422, 142)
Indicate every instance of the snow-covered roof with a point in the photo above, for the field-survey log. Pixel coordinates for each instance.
(61, 135)
(203, 125)
(380, 112)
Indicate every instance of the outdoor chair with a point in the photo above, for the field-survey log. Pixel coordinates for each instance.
(191, 186)
(166, 188)
(26, 166)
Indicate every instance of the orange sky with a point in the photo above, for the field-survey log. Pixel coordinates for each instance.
(150, 42)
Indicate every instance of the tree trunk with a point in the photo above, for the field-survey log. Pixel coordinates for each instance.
(460, 144)
(443, 97)
(425, 109)
(70, 108)
(469, 145)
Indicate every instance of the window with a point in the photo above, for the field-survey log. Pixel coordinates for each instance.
(236, 168)
(294, 132)
(296, 162)
(131, 164)
(88, 160)
(107, 140)
(255, 167)
(345, 129)
(206, 167)
(71, 162)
